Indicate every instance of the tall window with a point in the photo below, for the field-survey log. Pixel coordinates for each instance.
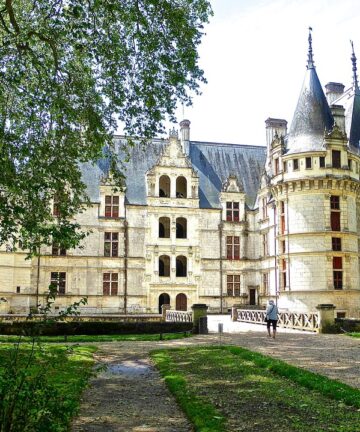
(164, 266)
(164, 186)
(181, 187)
(266, 283)
(233, 285)
(264, 208)
(337, 273)
(335, 212)
(336, 158)
(233, 247)
(308, 162)
(181, 228)
(111, 244)
(296, 164)
(232, 211)
(336, 243)
(285, 166)
(164, 227)
(181, 266)
(282, 217)
(110, 283)
(111, 206)
(58, 279)
(283, 274)
(57, 250)
(56, 207)
(322, 161)
(276, 163)
(265, 245)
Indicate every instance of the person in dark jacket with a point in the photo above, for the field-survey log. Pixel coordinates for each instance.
(272, 318)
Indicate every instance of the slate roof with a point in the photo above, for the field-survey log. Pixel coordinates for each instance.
(214, 162)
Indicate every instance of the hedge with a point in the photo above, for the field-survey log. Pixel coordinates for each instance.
(30, 328)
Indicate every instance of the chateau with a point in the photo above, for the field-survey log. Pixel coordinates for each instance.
(215, 223)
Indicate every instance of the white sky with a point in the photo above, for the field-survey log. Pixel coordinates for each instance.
(254, 56)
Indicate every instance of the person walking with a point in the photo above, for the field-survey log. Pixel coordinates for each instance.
(272, 318)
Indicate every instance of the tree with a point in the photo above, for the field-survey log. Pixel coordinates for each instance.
(69, 71)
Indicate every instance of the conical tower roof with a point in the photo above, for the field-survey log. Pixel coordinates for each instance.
(312, 114)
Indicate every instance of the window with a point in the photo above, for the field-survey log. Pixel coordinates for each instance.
(322, 161)
(233, 285)
(266, 283)
(111, 206)
(336, 159)
(264, 208)
(181, 270)
(164, 227)
(58, 279)
(233, 247)
(337, 263)
(296, 164)
(308, 162)
(283, 274)
(164, 266)
(111, 244)
(56, 207)
(57, 250)
(181, 186)
(340, 314)
(283, 246)
(110, 283)
(232, 211)
(181, 225)
(285, 166)
(350, 164)
(17, 290)
(338, 279)
(335, 212)
(265, 245)
(276, 161)
(164, 186)
(336, 243)
(282, 217)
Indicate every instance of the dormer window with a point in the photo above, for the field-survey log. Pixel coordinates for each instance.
(336, 158)
(164, 186)
(181, 186)
(111, 206)
(232, 211)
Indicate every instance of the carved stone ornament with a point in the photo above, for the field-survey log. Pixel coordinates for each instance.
(232, 184)
(336, 133)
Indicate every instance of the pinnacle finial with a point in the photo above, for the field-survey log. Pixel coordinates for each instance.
(354, 67)
(310, 63)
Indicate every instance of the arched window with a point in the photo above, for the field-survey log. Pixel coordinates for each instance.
(181, 266)
(181, 228)
(181, 187)
(164, 186)
(164, 299)
(164, 266)
(164, 227)
(181, 302)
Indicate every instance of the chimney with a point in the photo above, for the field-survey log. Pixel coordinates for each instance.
(338, 112)
(185, 135)
(274, 127)
(333, 91)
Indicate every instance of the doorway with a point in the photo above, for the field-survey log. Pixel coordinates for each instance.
(163, 299)
(181, 302)
(252, 295)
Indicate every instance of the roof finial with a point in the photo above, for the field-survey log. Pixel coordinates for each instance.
(310, 63)
(354, 68)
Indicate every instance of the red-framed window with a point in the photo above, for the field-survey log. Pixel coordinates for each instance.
(58, 279)
(111, 206)
(233, 285)
(233, 247)
(110, 283)
(232, 211)
(111, 244)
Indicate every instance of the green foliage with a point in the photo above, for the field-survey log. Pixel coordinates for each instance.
(255, 392)
(69, 72)
(355, 335)
(40, 386)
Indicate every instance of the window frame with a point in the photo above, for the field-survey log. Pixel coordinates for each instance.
(111, 244)
(232, 212)
(110, 283)
(58, 279)
(233, 246)
(233, 285)
(112, 206)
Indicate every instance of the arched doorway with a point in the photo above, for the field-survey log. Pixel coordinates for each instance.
(181, 302)
(164, 298)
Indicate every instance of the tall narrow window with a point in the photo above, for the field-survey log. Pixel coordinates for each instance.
(296, 164)
(308, 162)
(336, 243)
(181, 228)
(264, 208)
(283, 274)
(322, 161)
(285, 167)
(336, 158)
(282, 217)
(233, 247)
(350, 164)
(337, 273)
(232, 211)
(111, 244)
(57, 250)
(58, 279)
(56, 207)
(110, 283)
(266, 283)
(233, 285)
(276, 163)
(164, 266)
(164, 186)
(181, 266)
(335, 212)
(181, 187)
(265, 245)
(111, 206)
(164, 227)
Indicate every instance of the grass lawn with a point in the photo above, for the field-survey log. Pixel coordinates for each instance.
(98, 338)
(41, 392)
(232, 389)
(355, 335)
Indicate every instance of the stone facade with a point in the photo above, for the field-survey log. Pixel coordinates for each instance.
(217, 224)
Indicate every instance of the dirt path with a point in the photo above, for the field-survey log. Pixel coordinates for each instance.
(130, 396)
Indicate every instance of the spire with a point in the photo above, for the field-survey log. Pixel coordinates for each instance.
(310, 63)
(354, 68)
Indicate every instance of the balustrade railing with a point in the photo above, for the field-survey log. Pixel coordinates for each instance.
(301, 321)
(178, 316)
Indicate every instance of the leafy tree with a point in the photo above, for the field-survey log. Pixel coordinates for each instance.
(69, 71)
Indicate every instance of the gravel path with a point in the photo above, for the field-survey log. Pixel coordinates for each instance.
(130, 395)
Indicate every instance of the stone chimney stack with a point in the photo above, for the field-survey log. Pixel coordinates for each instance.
(274, 127)
(185, 135)
(333, 91)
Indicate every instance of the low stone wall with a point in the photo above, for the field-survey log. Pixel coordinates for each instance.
(90, 318)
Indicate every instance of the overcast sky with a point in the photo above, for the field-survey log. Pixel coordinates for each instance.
(254, 56)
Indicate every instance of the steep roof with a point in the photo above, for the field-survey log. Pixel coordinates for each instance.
(214, 162)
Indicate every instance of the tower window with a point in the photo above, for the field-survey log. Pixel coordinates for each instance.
(336, 158)
(308, 162)
(276, 161)
(336, 243)
(296, 164)
(322, 161)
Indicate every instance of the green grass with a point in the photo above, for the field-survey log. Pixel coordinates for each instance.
(97, 338)
(52, 385)
(355, 334)
(230, 388)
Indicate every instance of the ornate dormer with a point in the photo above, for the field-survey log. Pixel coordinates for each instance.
(232, 199)
(232, 184)
(112, 197)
